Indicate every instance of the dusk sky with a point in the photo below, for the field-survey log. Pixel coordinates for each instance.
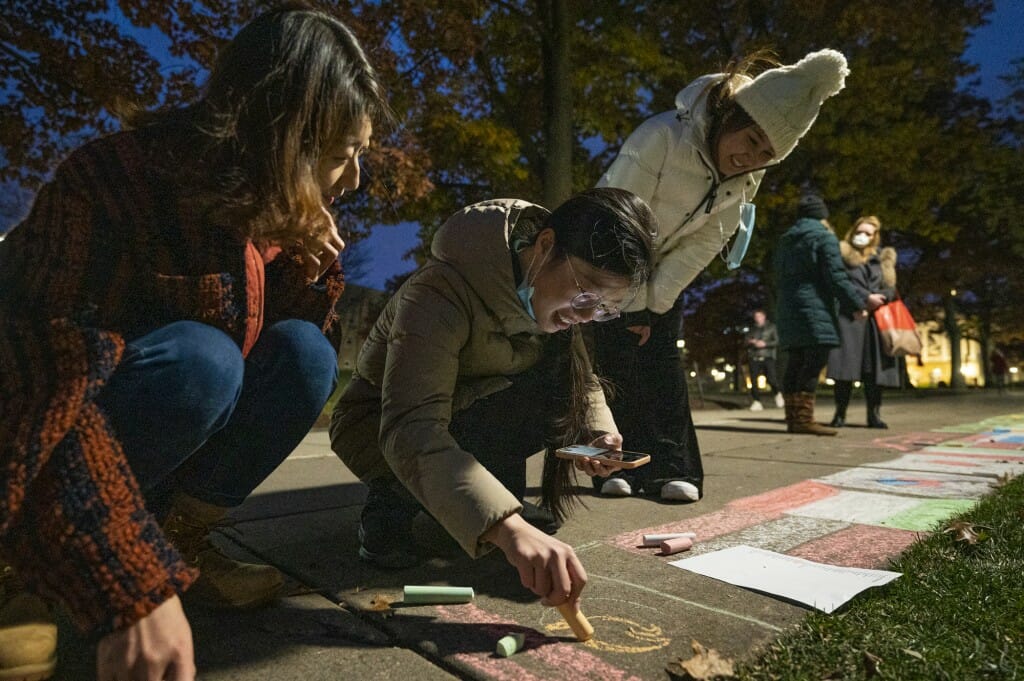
(992, 48)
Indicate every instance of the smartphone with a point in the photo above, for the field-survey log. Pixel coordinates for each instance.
(609, 457)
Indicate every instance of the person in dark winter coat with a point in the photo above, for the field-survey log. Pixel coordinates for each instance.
(810, 278)
(859, 356)
(762, 340)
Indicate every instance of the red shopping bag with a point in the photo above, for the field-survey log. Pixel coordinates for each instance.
(897, 332)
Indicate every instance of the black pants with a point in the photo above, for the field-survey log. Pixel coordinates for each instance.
(803, 368)
(649, 399)
(762, 367)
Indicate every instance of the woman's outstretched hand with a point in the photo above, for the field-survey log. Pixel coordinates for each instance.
(547, 566)
(593, 467)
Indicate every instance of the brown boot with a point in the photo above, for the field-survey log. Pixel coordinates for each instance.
(804, 417)
(789, 400)
(223, 581)
(28, 634)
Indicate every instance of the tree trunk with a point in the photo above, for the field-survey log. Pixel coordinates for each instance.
(956, 379)
(558, 108)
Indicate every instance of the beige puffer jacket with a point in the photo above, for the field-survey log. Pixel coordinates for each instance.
(449, 336)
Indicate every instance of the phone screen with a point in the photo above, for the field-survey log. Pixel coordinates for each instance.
(584, 450)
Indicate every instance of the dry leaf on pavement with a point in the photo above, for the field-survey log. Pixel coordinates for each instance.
(965, 531)
(705, 665)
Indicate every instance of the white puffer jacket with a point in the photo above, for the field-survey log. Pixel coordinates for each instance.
(666, 161)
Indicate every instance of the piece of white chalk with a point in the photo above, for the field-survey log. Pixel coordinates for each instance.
(670, 546)
(656, 539)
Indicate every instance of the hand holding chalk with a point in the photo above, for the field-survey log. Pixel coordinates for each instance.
(576, 621)
(546, 566)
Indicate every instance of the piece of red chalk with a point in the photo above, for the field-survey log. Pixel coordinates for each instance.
(670, 546)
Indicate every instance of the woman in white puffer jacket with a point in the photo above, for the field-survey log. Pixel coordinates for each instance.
(696, 166)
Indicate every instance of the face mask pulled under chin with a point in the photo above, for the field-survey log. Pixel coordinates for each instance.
(526, 289)
(743, 235)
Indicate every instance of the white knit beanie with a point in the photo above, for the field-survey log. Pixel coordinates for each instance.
(784, 101)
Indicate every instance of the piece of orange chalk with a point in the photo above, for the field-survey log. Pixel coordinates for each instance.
(670, 546)
(576, 621)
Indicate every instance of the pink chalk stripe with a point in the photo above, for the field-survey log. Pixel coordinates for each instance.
(908, 442)
(969, 455)
(863, 546)
(737, 515)
(567, 660)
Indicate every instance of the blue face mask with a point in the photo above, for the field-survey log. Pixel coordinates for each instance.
(525, 294)
(743, 235)
(526, 289)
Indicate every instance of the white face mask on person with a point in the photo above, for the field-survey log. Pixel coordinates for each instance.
(860, 240)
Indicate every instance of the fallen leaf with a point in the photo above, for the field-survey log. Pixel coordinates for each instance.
(913, 653)
(965, 531)
(380, 603)
(1002, 480)
(871, 664)
(706, 664)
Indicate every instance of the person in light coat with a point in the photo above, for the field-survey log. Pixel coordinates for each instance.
(699, 167)
(476, 364)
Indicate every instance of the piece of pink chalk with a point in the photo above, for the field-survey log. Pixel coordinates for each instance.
(670, 546)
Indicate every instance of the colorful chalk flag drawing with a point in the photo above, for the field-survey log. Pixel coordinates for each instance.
(940, 462)
(941, 485)
(865, 508)
(992, 453)
(928, 514)
(1004, 424)
(908, 442)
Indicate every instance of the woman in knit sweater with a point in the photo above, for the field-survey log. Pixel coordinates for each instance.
(169, 295)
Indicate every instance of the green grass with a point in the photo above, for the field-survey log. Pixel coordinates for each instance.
(956, 613)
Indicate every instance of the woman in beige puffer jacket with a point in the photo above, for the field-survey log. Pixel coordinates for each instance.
(475, 364)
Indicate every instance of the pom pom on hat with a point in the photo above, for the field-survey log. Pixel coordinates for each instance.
(784, 101)
(812, 206)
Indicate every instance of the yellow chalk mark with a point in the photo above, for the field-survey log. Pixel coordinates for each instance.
(620, 636)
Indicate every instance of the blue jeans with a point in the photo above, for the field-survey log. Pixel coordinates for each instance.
(193, 415)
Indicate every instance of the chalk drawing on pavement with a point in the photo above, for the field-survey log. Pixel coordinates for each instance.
(941, 485)
(614, 633)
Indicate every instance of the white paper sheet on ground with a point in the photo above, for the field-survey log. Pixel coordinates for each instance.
(825, 587)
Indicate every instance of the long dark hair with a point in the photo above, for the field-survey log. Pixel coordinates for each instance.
(613, 230)
(291, 83)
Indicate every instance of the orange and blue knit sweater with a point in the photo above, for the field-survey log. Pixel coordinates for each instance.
(108, 248)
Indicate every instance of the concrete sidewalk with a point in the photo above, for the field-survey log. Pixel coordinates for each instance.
(851, 500)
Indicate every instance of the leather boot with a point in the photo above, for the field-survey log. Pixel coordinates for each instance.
(873, 394)
(789, 403)
(804, 414)
(842, 390)
(28, 633)
(223, 581)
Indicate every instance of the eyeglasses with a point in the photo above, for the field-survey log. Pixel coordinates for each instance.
(586, 300)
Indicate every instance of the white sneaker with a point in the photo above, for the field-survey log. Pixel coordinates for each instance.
(756, 406)
(780, 401)
(616, 487)
(677, 490)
